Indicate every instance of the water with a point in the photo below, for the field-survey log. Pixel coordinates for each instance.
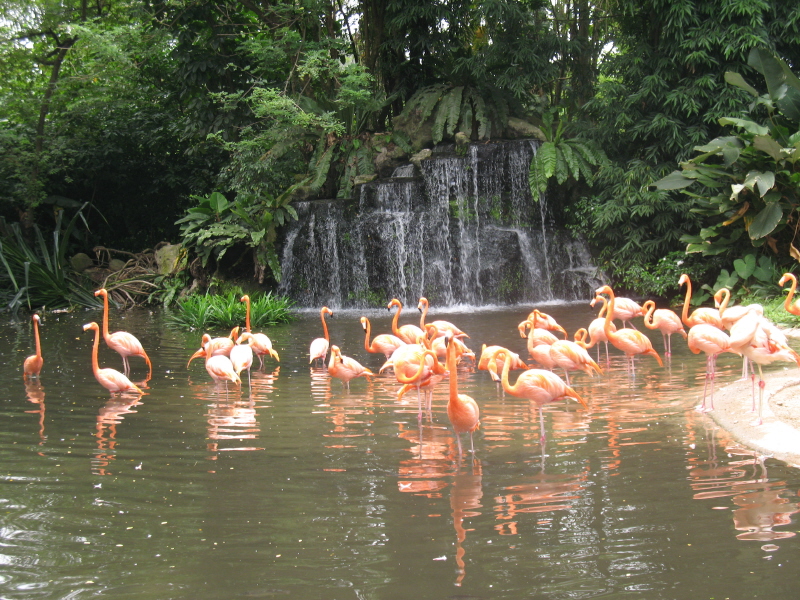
(462, 229)
(301, 489)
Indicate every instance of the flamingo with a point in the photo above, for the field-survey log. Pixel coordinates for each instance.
(219, 346)
(572, 357)
(462, 410)
(546, 321)
(384, 343)
(33, 364)
(443, 327)
(414, 365)
(242, 355)
(538, 386)
(345, 368)
(489, 363)
(111, 379)
(596, 327)
(408, 333)
(220, 368)
(319, 347)
(259, 342)
(700, 315)
(713, 341)
(121, 341)
(753, 336)
(787, 305)
(730, 314)
(630, 341)
(665, 321)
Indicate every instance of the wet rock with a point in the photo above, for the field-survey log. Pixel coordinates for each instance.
(518, 129)
(80, 262)
(420, 156)
(116, 264)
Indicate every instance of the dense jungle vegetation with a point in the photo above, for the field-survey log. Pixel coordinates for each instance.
(127, 123)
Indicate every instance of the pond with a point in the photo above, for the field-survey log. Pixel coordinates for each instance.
(299, 488)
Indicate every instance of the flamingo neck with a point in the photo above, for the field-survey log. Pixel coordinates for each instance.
(95, 349)
(686, 301)
(788, 302)
(423, 316)
(451, 366)
(324, 326)
(603, 308)
(105, 317)
(247, 315)
(506, 369)
(610, 334)
(395, 328)
(648, 317)
(726, 296)
(367, 345)
(36, 338)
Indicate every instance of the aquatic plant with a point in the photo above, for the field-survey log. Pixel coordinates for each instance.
(202, 311)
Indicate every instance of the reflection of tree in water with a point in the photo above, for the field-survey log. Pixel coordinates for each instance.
(759, 499)
(108, 417)
(35, 393)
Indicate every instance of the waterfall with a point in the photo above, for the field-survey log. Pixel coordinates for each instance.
(461, 229)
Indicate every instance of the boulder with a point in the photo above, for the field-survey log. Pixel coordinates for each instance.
(80, 262)
(420, 156)
(115, 264)
(518, 129)
(170, 259)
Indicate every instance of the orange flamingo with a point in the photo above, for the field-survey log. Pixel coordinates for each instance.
(319, 347)
(538, 386)
(443, 327)
(462, 410)
(713, 341)
(408, 333)
(384, 343)
(242, 355)
(700, 315)
(545, 321)
(630, 341)
(111, 379)
(220, 368)
(666, 321)
(414, 366)
(121, 341)
(573, 357)
(33, 364)
(346, 368)
(489, 363)
(626, 309)
(219, 346)
(791, 308)
(259, 342)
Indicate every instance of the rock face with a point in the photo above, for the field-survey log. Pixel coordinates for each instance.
(459, 228)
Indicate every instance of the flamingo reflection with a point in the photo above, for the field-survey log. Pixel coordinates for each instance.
(108, 417)
(465, 496)
(35, 393)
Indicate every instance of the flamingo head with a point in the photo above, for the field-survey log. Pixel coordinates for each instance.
(101, 292)
(719, 295)
(91, 325)
(245, 298)
(786, 277)
(234, 333)
(36, 318)
(326, 311)
(606, 289)
(364, 323)
(684, 279)
(394, 302)
(423, 304)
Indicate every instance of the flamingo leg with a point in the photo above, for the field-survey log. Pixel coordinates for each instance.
(761, 385)
(458, 439)
(713, 359)
(542, 437)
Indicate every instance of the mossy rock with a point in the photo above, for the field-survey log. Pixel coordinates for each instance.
(80, 262)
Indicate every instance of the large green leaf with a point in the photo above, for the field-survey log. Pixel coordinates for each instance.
(737, 80)
(746, 124)
(674, 181)
(766, 144)
(745, 266)
(766, 221)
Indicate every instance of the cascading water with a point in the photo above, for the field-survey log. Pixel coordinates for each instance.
(461, 229)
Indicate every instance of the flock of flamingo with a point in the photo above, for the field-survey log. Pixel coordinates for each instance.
(413, 352)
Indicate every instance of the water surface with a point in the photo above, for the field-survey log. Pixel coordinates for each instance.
(299, 488)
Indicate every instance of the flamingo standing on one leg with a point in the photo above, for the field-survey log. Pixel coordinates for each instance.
(408, 333)
(346, 368)
(462, 410)
(699, 315)
(666, 321)
(121, 341)
(630, 341)
(713, 341)
(443, 327)
(319, 347)
(33, 364)
(259, 342)
(384, 343)
(537, 385)
(111, 379)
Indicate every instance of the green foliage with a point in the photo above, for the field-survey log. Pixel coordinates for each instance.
(748, 180)
(37, 274)
(751, 277)
(659, 279)
(562, 158)
(204, 311)
(216, 225)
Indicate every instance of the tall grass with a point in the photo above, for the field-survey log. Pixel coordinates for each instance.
(38, 275)
(226, 311)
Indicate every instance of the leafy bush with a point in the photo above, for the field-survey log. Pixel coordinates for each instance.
(226, 311)
(37, 275)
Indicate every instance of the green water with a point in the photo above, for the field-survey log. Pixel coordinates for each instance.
(301, 489)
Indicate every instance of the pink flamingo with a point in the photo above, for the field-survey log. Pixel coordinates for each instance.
(666, 321)
(713, 341)
(408, 333)
(573, 357)
(787, 305)
(259, 342)
(462, 410)
(443, 327)
(384, 343)
(700, 315)
(346, 368)
(111, 379)
(488, 361)
(219, 346)
(33, 364)
(122, 342)
(596, 328)
(242, 355)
